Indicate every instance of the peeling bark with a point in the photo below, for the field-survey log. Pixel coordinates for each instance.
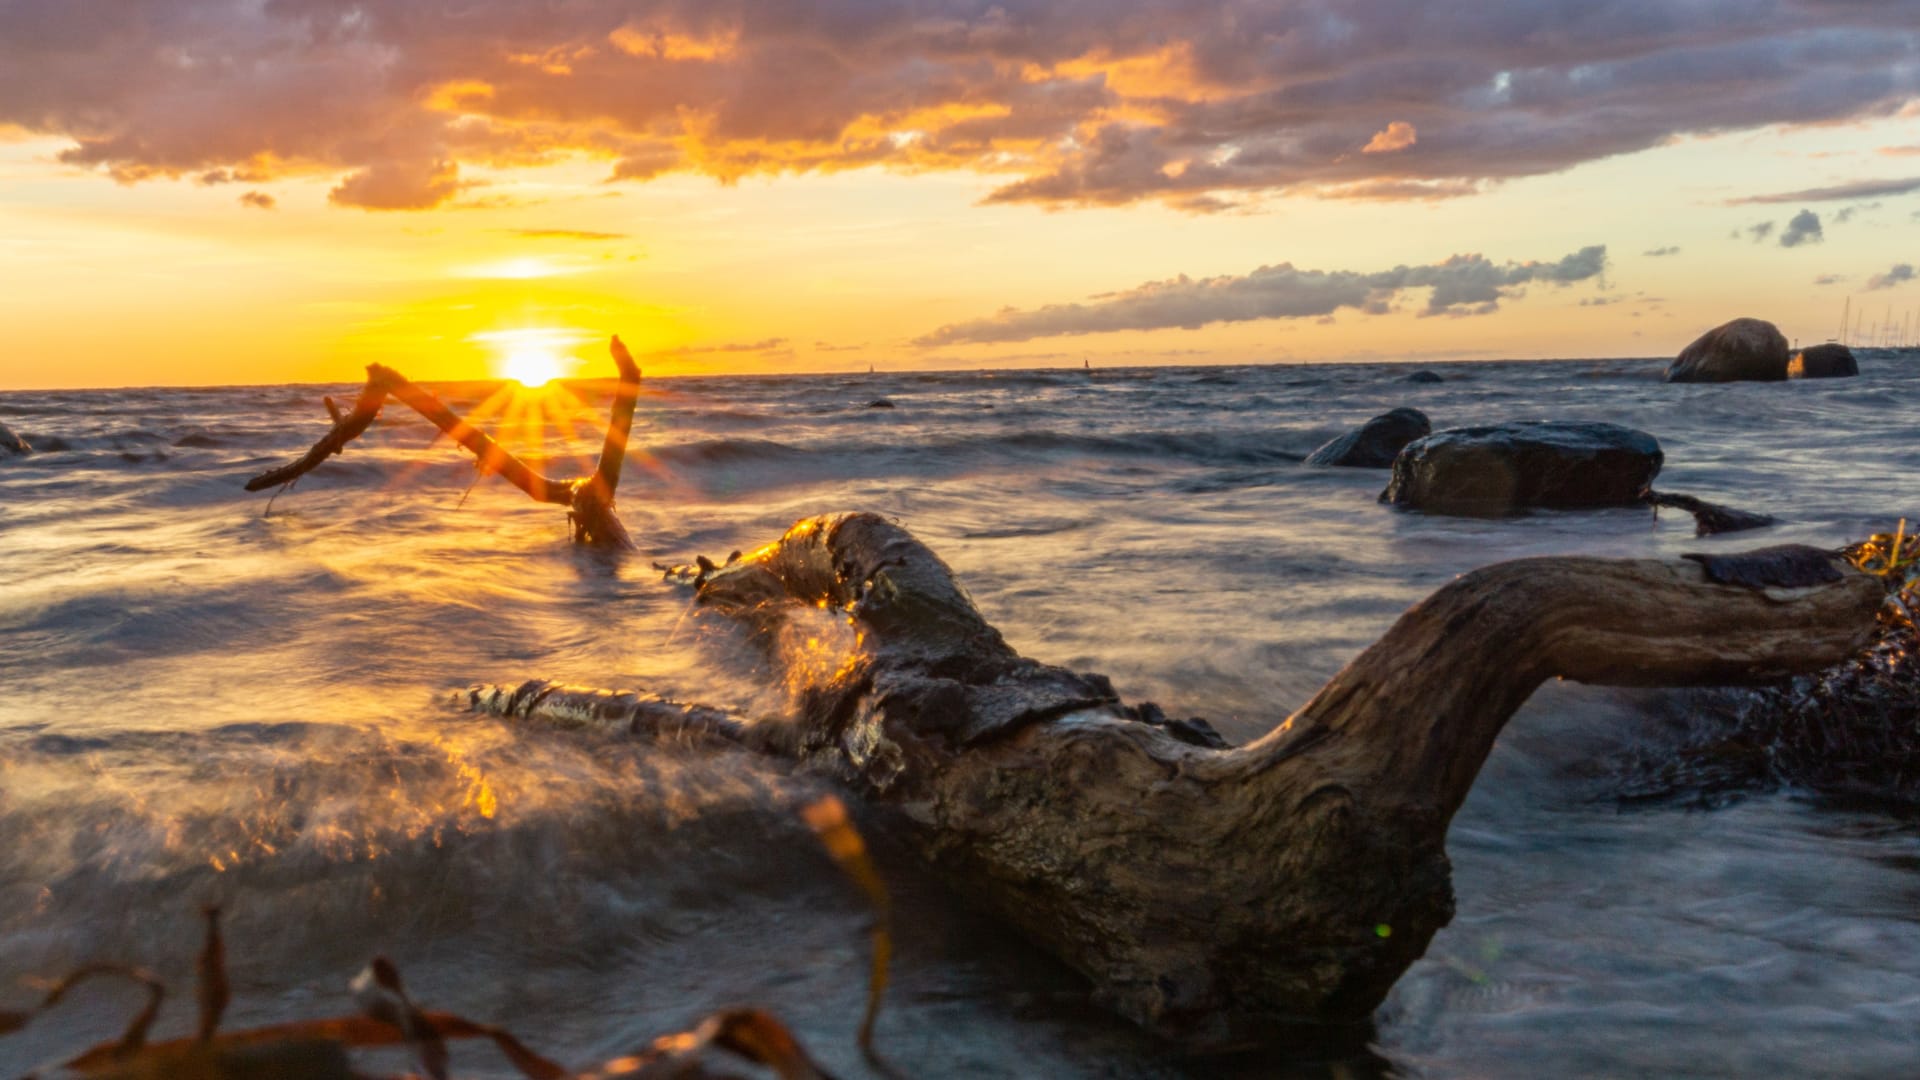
(589, 500)
(1212, 894)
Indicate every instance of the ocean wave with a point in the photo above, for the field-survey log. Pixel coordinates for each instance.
(725, 451)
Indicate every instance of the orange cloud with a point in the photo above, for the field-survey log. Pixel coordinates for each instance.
(660, 40)
(399, 185)
(1093, 102)
(1395, 136)
(461, 95)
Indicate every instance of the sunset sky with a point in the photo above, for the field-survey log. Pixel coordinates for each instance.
(262, 191)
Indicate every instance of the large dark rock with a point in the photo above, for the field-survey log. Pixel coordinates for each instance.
(11, 443)
(1423, 377)
(1376, 443)
(1829, 361)
(1504, 468)
(1744, 350)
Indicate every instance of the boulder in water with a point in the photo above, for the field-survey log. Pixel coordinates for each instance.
(1423, 377)
(1376, 443)
(1744, 350)
(11, 443)
(1830, 361)
(880, 403)
(1501, 469)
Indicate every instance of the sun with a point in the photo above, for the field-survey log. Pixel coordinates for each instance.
(532, 365)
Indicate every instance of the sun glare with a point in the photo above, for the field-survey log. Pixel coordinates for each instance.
(531, 356)
(532, 366)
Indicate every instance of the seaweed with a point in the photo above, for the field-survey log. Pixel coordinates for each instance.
(388, 1017)
(1851, 730)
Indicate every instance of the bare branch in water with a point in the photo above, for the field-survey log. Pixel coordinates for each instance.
(589, 500)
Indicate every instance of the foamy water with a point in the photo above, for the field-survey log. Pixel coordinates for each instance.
(201, 701)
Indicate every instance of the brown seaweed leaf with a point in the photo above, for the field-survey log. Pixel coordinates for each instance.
(752, 1034)
(382, 996)
(827, 816)
(133, 1040)
(317, 1049)
(1895, 558)
(210, 977)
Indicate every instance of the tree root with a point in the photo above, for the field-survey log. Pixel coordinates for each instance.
(1215, 894)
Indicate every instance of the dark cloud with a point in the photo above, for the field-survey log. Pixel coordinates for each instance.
(1659, 252)
(1803, 228)
(1759, 231)
(1829, 279)
(213, 177)
(1071, 101)
(1462, 285)
(258, 200)
(1862, 189)
(1900, 274)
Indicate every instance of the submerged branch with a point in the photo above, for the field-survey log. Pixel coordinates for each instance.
(589, 500)
(345, 429)
(490, 456)
(625, 712)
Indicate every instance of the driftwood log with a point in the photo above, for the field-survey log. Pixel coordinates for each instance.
(1212, 894)
(588, 499)
(11, 443)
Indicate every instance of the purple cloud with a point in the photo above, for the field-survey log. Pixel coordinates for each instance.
(1804, 228)
(1071, 101)
(1900, 274)
(1862, 189)
(1462, 285)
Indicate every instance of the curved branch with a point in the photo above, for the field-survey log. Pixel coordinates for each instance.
(383, 381)
(613, 453)
(1212, 894)
(589, 501)
(492, 457)
(345, 429)
(1443, 681)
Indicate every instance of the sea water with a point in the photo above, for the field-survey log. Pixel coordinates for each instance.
(204, 700)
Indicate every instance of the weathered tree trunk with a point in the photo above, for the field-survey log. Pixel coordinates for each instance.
(589, 500)
(1214, 894)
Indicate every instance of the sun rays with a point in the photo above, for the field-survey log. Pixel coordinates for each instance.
(544, 415)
